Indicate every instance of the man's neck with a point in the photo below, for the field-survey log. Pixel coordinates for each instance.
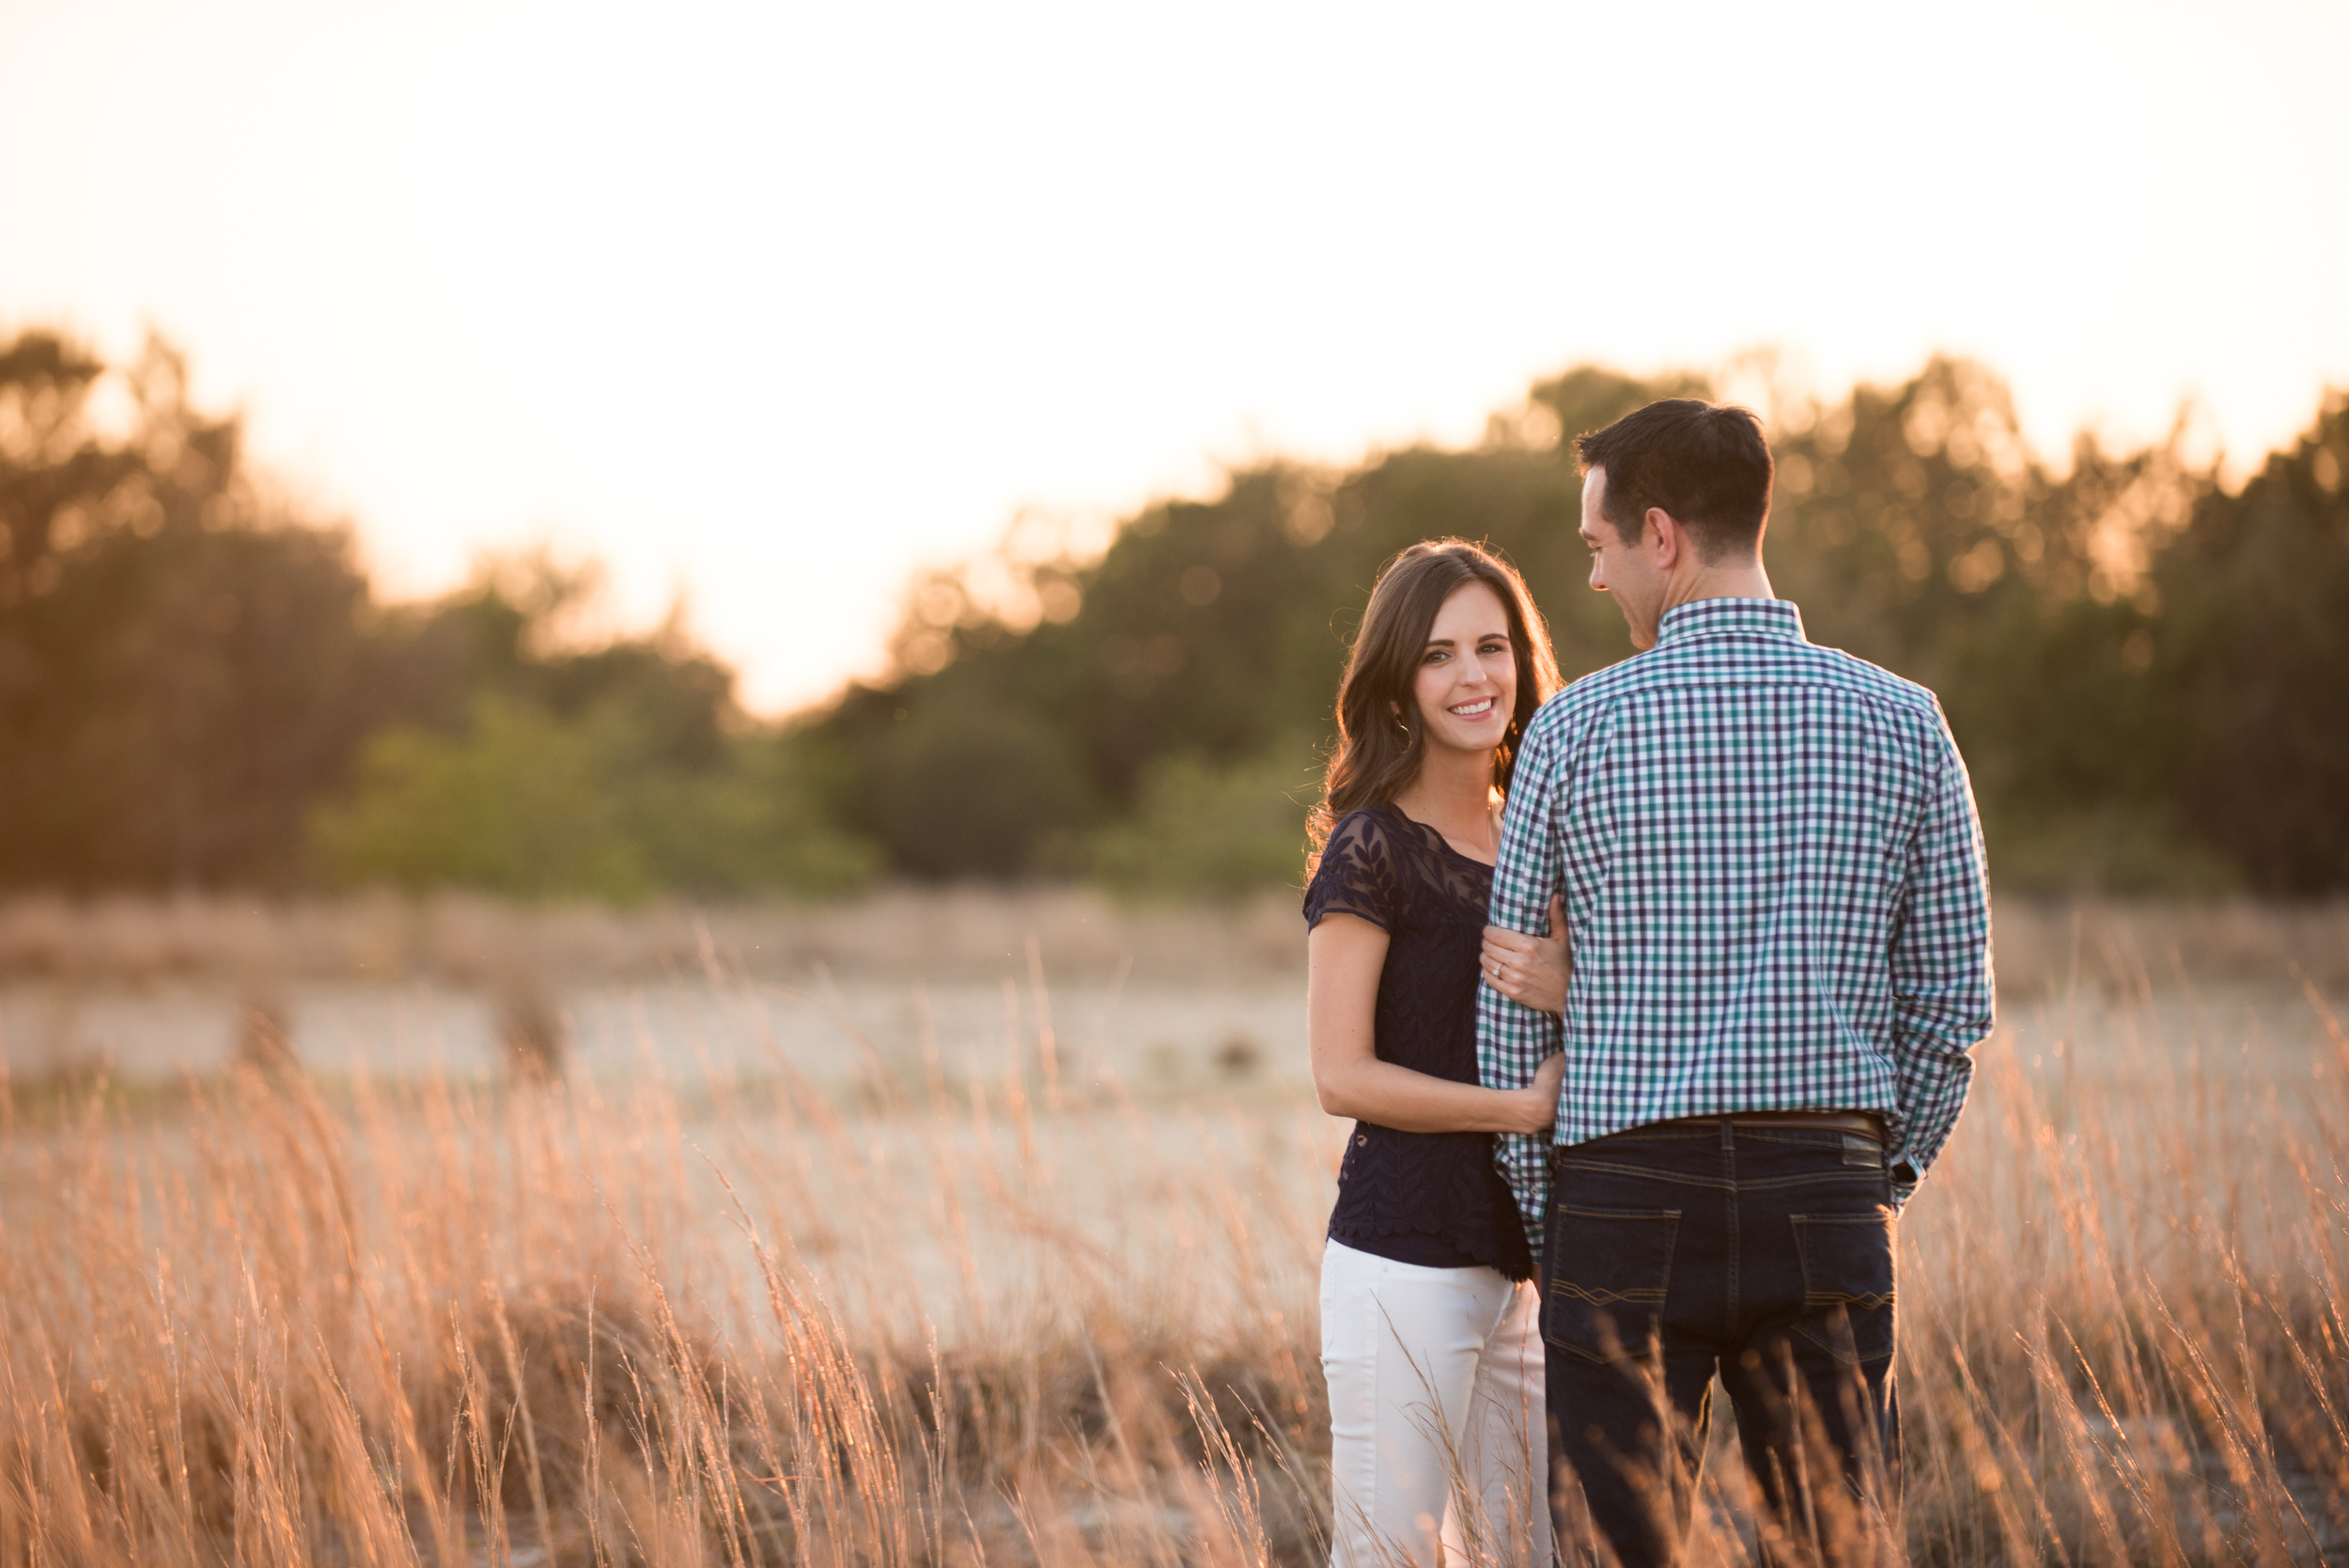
(1729, 580)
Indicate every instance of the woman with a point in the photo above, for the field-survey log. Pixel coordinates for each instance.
(1428, 1326)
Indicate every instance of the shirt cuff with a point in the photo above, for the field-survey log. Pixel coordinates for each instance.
(1903, 1178)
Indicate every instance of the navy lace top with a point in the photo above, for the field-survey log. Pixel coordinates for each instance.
(1430, 1197)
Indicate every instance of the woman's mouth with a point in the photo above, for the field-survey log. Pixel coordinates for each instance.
(1476, 709)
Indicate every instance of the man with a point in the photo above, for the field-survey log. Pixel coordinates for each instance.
(1779, 930)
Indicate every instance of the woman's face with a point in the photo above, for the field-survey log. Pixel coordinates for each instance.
(1467, 685)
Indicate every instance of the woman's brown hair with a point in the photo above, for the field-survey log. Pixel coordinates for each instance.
(1378, 752)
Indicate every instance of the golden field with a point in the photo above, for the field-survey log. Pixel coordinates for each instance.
(889, 1234)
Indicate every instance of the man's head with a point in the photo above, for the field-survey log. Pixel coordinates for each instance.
(1674, 499)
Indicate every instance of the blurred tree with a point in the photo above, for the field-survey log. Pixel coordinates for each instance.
(2251, 655)
(57, 475)
(176, 657)
(532, 805)
(1912, 523)
(969, 791)
(757, 824)
(2147, 672)
(611, 769)
(522, 629)
(187, 669)
(520, 805)
(1199, 831)
(1916, 529)
(1212, 630)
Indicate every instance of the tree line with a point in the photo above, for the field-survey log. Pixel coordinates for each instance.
(199, 687)
(2148, 672)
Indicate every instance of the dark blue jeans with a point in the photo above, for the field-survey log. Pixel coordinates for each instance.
(1760, 1250)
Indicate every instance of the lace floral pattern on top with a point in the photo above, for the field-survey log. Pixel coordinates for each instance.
(1418, 1197)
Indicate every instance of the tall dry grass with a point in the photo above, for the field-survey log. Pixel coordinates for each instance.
(725, 1321)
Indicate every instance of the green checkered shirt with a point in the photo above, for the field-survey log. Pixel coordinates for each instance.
(1774, 894)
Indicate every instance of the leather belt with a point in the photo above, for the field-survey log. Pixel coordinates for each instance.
(1866, 1122)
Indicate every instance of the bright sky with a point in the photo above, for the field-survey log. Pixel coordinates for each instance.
(769, 304)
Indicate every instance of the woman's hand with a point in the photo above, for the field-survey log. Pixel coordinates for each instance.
(1539, 1101)
(1531, 971)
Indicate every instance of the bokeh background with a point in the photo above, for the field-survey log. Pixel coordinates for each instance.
(567, 452)
(563, 456)
(2147, 666)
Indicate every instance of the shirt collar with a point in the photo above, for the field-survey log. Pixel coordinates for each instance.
(1722, 617)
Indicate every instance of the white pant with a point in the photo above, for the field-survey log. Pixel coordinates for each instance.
(1436, 1429)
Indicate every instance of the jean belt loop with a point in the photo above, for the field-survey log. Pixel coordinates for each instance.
(1729, 1136)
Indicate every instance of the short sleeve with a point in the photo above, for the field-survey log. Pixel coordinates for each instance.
(1357, 876)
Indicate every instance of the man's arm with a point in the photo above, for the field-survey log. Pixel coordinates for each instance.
(1512, 1041)
(1942, 1002)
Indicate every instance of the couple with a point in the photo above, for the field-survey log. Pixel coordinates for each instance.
(1712, 977)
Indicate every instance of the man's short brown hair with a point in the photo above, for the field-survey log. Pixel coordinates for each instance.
(1705, 463)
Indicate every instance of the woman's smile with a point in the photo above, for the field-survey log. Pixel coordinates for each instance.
(1468, 671)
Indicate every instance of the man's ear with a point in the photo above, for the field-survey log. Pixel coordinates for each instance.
(1665, 539)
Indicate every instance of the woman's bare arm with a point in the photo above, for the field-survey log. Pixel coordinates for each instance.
(1344, 956)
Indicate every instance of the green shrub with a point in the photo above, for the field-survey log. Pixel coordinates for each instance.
(1203, 831)
(531, 806)
(970, 792)
(753, 825)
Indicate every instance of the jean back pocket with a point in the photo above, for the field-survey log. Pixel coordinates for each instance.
(1847, 1283)
(1606, 1273)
